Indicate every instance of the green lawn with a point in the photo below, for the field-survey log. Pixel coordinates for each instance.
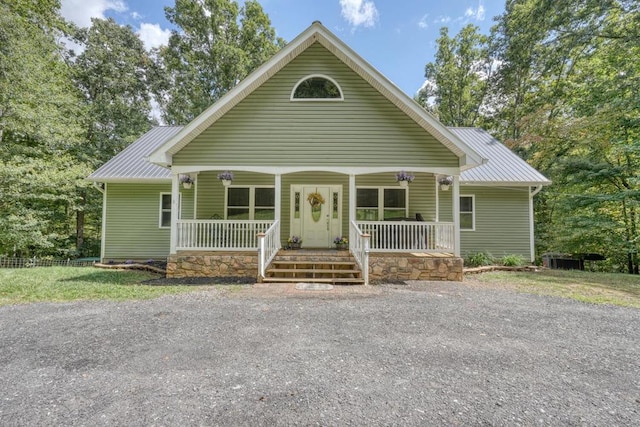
(596, 288)
(77, 283)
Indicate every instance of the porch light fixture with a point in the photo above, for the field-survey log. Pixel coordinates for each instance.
(403, 178)
(445, 182)
(226, 177)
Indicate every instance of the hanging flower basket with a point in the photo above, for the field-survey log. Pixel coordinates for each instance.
(186, 181)
(445, 182)
(316, 200)
(404, 178)
(226, 177)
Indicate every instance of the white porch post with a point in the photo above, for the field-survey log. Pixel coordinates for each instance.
(437, 193)
(352, 198)
(277, 182)
(175, 212)
(456, 215)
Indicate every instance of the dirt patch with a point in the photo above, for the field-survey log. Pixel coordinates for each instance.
(200, 281)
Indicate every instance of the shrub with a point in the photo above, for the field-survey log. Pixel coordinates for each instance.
(478, 259)
(512, 260)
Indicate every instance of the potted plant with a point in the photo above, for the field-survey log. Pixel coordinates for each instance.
(445, 182)
(404, 178)
(226, 177)
(186, 181)
(341, 243)
(294, 242)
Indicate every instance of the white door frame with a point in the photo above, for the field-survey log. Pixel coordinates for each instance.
(335, 212)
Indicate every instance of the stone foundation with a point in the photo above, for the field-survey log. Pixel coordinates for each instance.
(414, 267)
(221, 264)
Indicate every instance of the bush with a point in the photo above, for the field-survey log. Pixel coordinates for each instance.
(478, 259)
(512, 260)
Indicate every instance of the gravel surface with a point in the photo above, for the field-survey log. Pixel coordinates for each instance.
(423, 354)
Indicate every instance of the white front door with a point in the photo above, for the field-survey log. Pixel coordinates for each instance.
(318, 221)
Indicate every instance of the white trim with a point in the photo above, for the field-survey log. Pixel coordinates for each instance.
(104, 224)
(311, 76)
(277, 181)
(381, 199)
(456, 215)
(345, 170)
(166, 193)
(437, 193)
(352, 198)
(531, 225)
(252, 200)
(473, 212)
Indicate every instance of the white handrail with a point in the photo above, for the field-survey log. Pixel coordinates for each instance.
(268, 247)
(359, 247)
(214, 235)
(409, 236)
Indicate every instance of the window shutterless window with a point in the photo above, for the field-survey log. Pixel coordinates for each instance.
(250, 203)
(165, 210)
(376, 204)
(467, 213)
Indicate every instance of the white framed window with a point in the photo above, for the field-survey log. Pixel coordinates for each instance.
(253, 202)
(467, 212)
(165, 210)
(316, 87)
(380, 203)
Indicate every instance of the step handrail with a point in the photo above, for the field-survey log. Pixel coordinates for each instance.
(268, 247)
(359, 247)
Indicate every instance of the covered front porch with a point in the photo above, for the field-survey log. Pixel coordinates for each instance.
(261, 210)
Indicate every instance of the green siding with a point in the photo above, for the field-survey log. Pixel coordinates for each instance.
(365, 129)
(501, 222)
(132, 220)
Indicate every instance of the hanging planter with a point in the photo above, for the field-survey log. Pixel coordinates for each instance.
(186, 181)
(445, 182)
(316, 201)
(226, 177)
(404, 179)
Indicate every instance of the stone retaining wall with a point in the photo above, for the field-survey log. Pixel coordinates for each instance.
(414, 267)
(239, 264)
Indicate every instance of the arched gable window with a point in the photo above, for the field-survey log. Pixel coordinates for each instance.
(316, 87)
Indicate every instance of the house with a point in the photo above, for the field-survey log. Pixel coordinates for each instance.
(314, 139)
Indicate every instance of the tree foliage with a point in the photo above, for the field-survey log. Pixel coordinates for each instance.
(218, 44)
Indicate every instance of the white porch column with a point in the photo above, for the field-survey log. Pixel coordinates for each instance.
(278, 195)
(175, 212)
(456, 215)
(352, 198)
(437, 193)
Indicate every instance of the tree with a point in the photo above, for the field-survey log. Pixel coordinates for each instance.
(39, 113)
(115, 75)
(457, 83)
(218, 44)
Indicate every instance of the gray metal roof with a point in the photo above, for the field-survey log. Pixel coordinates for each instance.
(504, 166)
(132, 164)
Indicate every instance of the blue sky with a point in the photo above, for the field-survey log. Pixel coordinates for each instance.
(397, 37)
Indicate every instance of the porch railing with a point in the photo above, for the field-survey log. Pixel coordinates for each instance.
(359, 247)
(214, 235)
(409, 236)
(268, 246)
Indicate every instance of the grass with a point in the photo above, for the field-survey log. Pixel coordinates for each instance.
(57, 284)
(596, 288)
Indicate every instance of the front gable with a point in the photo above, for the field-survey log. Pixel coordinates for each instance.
(363, 130)
(402, 123)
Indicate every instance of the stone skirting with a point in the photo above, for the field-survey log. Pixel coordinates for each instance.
(400, 266)
(389, 266)
(209, 264)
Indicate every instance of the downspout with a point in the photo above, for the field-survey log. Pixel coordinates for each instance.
(532, 248)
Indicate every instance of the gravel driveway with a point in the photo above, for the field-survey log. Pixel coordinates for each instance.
(427, 353)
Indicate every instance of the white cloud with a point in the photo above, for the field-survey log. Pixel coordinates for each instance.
(152, 35)
(442, 20)
(477, 14)
(359, 12)
(423, 22)
(80, 12)
(135, 15)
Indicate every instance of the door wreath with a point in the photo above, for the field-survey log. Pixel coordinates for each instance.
(316, 201)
